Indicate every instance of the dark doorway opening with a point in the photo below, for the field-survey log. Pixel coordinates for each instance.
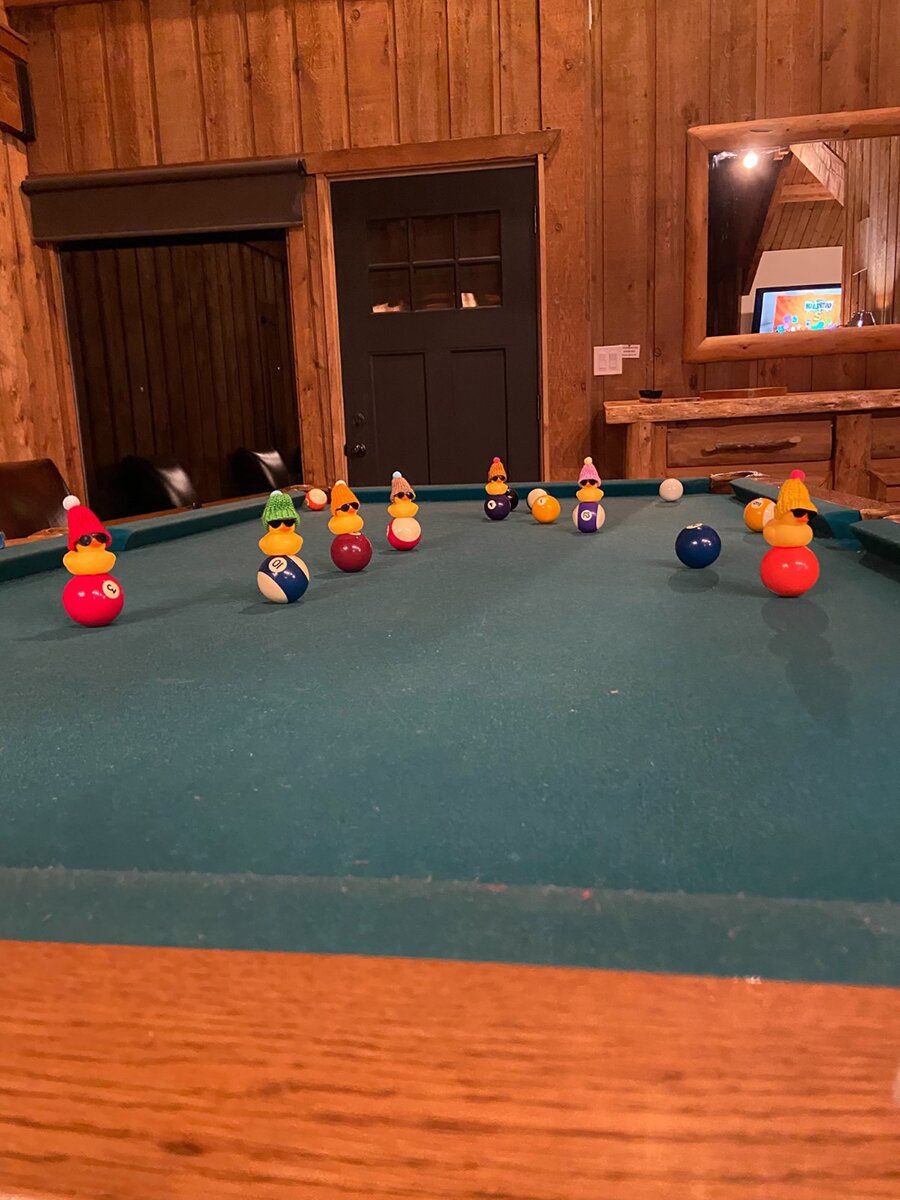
(437, 296)
(182, 352)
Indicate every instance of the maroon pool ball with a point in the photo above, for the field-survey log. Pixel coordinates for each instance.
(351, 551)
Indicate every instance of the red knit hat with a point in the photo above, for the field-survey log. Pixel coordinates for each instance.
(82, 521)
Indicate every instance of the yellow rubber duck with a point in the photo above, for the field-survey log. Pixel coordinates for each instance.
(589, 482)
(279, 519)
(793, 508)
(402, 497)
(345, 516)
(87, 542)
(498, 483)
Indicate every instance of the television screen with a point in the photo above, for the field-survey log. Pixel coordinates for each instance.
(791, 309)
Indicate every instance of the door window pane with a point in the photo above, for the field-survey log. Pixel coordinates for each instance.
(387, 241)
(479, 285)
(389, 290)
(433, 287)
(432, 238)
(478, 235)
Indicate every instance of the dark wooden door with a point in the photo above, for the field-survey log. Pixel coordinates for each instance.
(437, 295)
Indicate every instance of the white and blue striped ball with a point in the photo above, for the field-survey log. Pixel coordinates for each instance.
(283, 578)
(588, 516)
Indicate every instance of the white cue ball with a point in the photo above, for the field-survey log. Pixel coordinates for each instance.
(671, 489)
(533, 495)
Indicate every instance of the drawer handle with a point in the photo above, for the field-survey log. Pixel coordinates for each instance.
(740, 447)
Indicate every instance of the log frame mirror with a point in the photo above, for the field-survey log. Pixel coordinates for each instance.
(766, 137)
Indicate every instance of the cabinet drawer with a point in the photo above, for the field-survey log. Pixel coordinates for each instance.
(818, 474)
(886, 436)
(727, 443)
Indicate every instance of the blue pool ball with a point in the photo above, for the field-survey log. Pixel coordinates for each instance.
(698, 546)
(497, 508)
(283, 578)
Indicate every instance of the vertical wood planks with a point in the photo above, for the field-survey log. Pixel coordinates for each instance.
(49, 154)
(371, 72)
(847, 53)
(423, 70)
(176, 79)
(274, 81)
(131, 102)
(473, 33)
(732, 60)
(82, 56)
(224, 72)
(520, 99)
(323, 74)
(17, 414)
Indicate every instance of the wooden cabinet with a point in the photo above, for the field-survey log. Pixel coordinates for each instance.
(845, 440)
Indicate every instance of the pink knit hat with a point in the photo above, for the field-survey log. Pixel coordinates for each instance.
(589, 473)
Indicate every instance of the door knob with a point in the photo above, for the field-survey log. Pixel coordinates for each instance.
(359, 419)
(358, 450)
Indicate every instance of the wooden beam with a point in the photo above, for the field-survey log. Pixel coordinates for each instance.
(12, 43)
(805, 193)
(768, 133)
(738, 346)
(692, 408)
(822, 162)
(852, 452)
(382, 160)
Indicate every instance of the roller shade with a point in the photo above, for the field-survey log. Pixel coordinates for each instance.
(161, 201)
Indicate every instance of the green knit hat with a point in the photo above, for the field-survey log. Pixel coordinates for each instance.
(279, 507)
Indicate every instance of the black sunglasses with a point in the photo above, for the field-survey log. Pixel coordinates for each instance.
(346, 507)
(87, 538)
(405, 496)
(800, 512)
(586, 482)
(278, 524)
(497, 479)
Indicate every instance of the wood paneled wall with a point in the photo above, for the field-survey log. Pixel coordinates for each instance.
(872, 233)
(128, 82)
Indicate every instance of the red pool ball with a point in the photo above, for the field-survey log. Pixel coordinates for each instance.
(404, 533)
(351, 551)
(93, 600)
(789, 570)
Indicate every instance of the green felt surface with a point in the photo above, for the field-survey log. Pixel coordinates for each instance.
(880, 537)
(510, 704)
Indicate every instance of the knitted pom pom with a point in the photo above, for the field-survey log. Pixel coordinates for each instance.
(798, 474)
(588, 460)
(396, 475)
(71, 502)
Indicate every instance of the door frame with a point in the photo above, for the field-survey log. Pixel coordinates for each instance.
(313, 283)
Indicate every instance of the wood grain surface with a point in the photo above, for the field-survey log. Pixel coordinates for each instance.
(134, 1073)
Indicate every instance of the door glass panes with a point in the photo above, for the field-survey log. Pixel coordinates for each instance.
(436, 262)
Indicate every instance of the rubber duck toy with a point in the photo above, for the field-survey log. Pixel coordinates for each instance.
(499, 503)
(790, 568)
(404, 532)
(351, 550)
(279, 519)
(790, 525)
(92, 597)
(282, 577)
(588, 515)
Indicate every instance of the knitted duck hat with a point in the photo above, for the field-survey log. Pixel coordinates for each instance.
(794, 494)
(589, 473)
(82, 521)
(279, 507)
(399, 484)
(496, 468)
(341, 494)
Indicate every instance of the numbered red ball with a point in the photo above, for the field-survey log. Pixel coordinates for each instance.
(351, 551)
(789, 570)
(93, 600)
(404, 533)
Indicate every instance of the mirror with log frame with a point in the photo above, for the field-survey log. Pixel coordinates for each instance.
(793, 237)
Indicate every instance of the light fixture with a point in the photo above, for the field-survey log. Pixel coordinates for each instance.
(862, 317)
(750, 159)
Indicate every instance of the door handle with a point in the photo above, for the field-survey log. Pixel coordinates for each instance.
(750, 447)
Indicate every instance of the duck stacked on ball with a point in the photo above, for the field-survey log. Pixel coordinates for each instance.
(790, 568)
(351, 550)
(282, 576)
(92, 597)
(588, 514)
(499, 503)
(404, 532)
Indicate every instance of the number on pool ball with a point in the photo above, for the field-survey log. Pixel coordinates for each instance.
(545, 509)
(533, 495)
(698, 546)
(351, 551)
(588, 516)
(282, 578)
(497, 508)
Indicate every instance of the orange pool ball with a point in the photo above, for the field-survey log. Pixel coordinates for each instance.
(316, 499)
(758, 513)
(545, 509)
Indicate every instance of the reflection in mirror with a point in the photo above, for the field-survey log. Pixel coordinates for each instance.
(804, 237)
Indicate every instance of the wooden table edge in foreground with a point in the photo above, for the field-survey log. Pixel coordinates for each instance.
(137, 1073)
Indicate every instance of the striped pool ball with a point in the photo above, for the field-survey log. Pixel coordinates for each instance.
(497, 508)
(404, 533)
(534, 495)
(316, 499)
(588, 516)
(283, 578)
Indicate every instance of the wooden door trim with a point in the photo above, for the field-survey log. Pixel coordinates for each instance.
(433, 156)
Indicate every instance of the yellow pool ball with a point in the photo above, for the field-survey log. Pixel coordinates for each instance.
(545, 509)
(759, 512)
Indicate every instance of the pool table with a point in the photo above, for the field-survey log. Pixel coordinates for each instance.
(516, 743)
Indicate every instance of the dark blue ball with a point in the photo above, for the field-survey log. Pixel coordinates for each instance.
(282, 578)
(497, 508)
(698, 545)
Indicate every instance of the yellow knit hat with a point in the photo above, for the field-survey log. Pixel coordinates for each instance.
(341, 494)
(794, 494)
(497, 468)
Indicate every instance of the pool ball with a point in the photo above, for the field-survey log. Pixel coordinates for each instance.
(93, 600)
(533, 495)
(513, 497)
(351, 551)
(759, 513)
(404, 533)
(282, 578)
(497, 508)
(316, 499)
(671, 489)
(698, 546)
(588, 516)
(545, 509)
(789, 570)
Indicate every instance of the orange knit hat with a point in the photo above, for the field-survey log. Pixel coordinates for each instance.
(341, 494)
(497, 468)
(399, 484)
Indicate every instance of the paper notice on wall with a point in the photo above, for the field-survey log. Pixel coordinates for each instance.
(630, 351)
(607, 360)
